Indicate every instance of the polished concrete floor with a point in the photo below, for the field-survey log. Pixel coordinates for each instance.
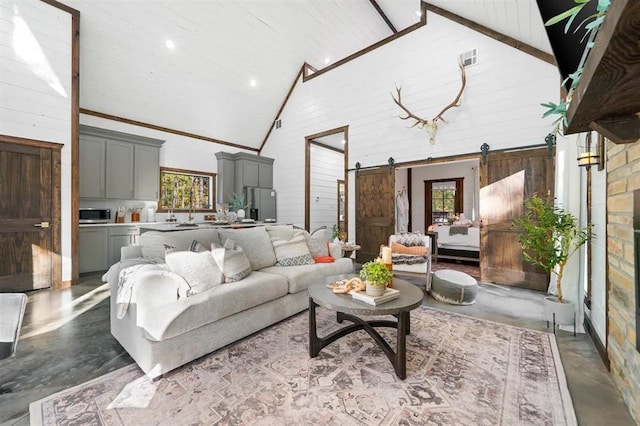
(65, 341)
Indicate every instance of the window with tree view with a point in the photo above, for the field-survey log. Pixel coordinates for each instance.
(186, 190)
(444, 200)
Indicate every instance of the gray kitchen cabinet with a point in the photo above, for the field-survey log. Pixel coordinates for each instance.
(119, 170)
(121, 236)
(146, 168)
(92, 167)
(115, 165)
(93, 249)
(240, 170)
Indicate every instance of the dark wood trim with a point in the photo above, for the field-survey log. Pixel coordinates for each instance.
(75, 148)
(56, 218)
(307, 70)
(619, 130)
(409, 186)
(64, 7)
(422, 23)
(608, 87)
(428, 204)
(30, 142)
(308, 140)
(164, 129)
(284, 102)
(503, 38)
(602, 351)
(384, 16)
(212, 190)
(320, 144)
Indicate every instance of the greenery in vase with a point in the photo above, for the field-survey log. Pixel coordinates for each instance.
(376, 273)
(335, 231)
(549, 236)
(592, 24)
(237, 202)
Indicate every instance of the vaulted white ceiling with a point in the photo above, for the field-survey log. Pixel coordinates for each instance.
(204, 84)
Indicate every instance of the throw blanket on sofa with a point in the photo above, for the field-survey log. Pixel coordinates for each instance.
(126, 279)
(407, 259)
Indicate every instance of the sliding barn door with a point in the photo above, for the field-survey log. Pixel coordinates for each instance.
(507, 179)
(374, 210)
(29, 216)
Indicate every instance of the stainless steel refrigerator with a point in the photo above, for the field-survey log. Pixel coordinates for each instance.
(263, 203)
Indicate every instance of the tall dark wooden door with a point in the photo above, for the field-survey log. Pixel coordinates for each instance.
(29, 214)
(506, 180)
(375, 210)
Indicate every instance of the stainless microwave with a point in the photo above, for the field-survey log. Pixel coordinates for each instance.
(91, 215)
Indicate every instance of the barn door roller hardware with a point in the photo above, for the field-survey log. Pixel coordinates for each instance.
(550, 140)
(484, 148)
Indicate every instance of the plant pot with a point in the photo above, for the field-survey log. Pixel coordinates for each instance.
(559, 313)
(375, 290)
(240, 213)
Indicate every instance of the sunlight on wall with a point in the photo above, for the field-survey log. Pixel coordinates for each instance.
(27, 48)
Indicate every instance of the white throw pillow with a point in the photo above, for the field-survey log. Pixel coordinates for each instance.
(234, 263)
(292, 252)
(198, 269)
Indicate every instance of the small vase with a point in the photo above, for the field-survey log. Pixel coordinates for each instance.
(240, 213)
(375, 290)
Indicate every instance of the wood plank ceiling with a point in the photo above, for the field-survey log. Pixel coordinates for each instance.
(203, 85)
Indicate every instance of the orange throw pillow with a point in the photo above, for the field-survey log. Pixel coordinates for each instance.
(416, 250)
(323, 259)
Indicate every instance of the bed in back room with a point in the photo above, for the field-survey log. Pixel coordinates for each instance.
(460, 242)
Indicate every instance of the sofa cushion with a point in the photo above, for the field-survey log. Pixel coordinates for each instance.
(317, 242)
(255, 243)
(232, 262)
(198, 269)
(300, 276)
(183, 315)
(291, 252)
(153, 242)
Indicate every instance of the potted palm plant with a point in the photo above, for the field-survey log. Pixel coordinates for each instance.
(549, 236)
(377, 276)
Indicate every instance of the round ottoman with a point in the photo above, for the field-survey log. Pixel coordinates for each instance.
(454, 287)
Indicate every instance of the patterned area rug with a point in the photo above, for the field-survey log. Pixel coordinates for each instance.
(460, 371)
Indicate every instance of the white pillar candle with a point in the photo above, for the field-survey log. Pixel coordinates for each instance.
(386, 255)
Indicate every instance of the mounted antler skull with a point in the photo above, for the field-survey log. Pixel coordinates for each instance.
(431, 125)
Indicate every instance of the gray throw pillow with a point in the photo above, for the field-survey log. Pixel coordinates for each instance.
(233, 263)
(292, 252)
(200, 270)
(317, 242)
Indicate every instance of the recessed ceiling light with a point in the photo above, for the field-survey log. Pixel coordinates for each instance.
(343, 141)
(327, 60)
(418, 12)
(170, 44)
(253, 83)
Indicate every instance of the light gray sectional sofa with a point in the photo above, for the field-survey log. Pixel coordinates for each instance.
(163, 327)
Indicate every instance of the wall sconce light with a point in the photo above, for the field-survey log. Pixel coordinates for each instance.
(588, 154)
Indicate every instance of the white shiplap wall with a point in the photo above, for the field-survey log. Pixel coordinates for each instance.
(326, 169)
(598, 313)
(500, 105)
(35, 87)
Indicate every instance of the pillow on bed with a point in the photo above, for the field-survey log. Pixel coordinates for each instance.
(414, 250)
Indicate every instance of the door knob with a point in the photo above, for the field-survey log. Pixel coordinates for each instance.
(42, 225)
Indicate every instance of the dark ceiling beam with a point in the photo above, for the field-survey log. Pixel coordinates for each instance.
(503, 38)
(386, 19)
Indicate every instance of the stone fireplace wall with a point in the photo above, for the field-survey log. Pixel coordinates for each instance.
(623, 178)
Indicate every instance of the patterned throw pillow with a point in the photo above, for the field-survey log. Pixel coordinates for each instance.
(411, 239)
(292, 252)
(198, 269)
(233, 262)
(197, 247)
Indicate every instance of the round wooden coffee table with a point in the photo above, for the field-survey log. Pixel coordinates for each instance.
(350, 309)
